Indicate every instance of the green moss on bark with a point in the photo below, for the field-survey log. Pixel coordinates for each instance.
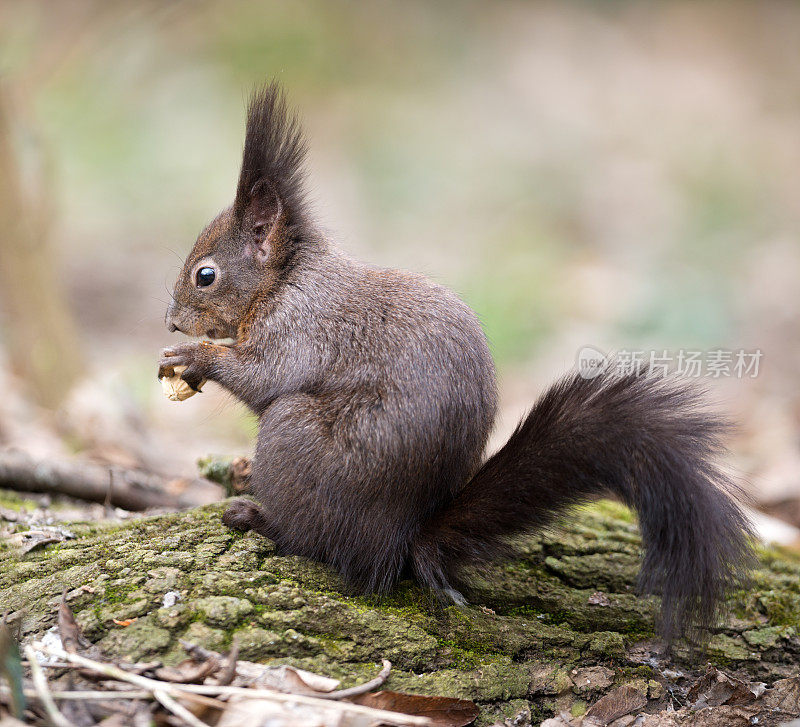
(566, 604)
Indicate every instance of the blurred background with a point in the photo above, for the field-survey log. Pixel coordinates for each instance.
(622, 175)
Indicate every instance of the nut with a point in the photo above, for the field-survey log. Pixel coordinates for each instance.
(175, 388)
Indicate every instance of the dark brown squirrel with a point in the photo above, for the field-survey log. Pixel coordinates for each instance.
(376, 394)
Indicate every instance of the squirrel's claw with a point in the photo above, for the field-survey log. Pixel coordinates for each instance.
(193, 377)
(166, 369)
(175, 356)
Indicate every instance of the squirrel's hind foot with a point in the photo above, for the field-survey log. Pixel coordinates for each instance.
(243, 515)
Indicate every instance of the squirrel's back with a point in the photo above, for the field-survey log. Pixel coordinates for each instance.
(394, 425)
(396, 332)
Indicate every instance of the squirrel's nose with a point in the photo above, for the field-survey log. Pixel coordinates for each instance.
(170, 318)
(173, 324)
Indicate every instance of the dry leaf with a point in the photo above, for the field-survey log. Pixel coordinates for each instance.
(621, 701)
(31, 539)
(72, 638)
(246, 712)
(784, 696)
(124, 622)
(442, 711)
(297, 681)
(598, 598)
(227, 673)
(558, 721)
(188, 671)
(715, 688)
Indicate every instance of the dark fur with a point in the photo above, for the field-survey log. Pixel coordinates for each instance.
(376, 394)
(647, 441)
(274, 151)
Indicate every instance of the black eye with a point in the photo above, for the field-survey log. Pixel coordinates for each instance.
(206, 276)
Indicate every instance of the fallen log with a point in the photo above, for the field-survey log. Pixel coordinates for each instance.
(552, 631)
(122, 487)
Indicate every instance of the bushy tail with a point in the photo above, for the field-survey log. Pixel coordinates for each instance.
(646, 440)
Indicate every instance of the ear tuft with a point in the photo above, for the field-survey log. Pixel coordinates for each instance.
(273, 158)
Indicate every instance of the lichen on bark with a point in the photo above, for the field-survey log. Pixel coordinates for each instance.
(527, 645)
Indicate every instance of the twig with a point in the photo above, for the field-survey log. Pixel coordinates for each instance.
(160, 695)
(175, 690)
(65, 665)
(40, 685)
(360, 688)
(204, 700)
(85, 695)
(202, 653)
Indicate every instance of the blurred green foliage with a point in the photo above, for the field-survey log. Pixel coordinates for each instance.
(499, 147)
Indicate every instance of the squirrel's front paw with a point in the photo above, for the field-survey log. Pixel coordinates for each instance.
(191, 355)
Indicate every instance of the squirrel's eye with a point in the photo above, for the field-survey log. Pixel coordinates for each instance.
(206, 276)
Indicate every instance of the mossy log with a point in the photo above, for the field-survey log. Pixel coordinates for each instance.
(549, 631)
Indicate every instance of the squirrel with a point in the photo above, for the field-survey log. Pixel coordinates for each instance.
(376, 393)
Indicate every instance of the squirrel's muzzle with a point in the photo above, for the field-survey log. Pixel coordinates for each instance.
(171, 319)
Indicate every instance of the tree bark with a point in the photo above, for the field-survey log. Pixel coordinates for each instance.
(552, 631)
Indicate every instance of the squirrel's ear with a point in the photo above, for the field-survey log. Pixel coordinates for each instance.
(264, 219)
